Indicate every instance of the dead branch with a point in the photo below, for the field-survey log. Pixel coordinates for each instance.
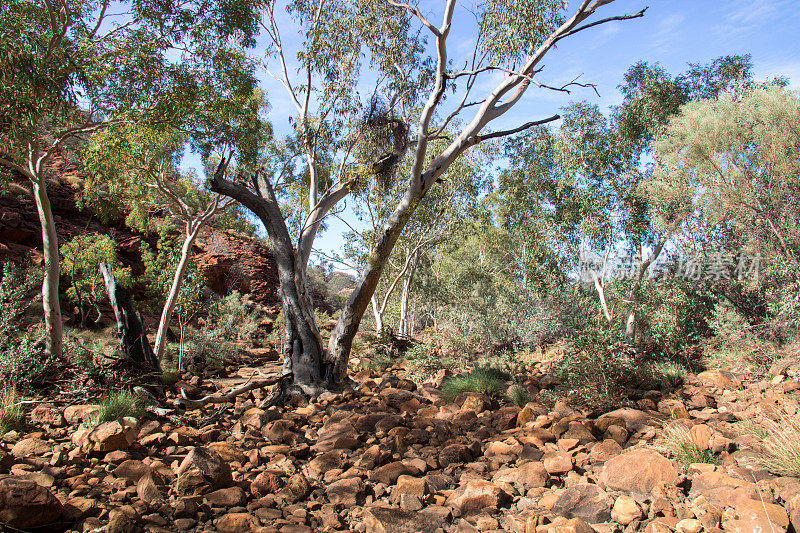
(185, 403)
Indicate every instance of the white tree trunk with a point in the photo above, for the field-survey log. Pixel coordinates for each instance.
(405, 327)
(52, 309)
(376, 311)
(174, 292)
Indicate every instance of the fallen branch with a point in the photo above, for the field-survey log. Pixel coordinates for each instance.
(187, 403)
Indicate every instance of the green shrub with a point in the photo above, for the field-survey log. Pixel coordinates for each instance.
(170, 376)
(234, 317)
(207, 346)
(596, 375)
(116, 406)
(423, 355)
(486, 380)
(80, 259)
(11, 416)
(378, 362)
(23, 359)
(729, 326)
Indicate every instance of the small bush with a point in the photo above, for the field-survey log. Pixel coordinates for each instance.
(22, 348)
(378, 362)
(781, 448)
(11, 416)
(486, 380)
(595, 373)
(234, 317)
(116, 406)
(518, 395)
(423, 356)
(678, 442)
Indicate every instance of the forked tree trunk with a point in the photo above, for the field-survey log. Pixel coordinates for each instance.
(302, 347)
(633, 297)
(131, 333)
(51, 306)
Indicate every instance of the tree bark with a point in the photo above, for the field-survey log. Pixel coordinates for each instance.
(52, 308)
(174, 292)
(131, 333)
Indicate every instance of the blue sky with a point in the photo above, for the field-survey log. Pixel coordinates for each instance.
(672, 33)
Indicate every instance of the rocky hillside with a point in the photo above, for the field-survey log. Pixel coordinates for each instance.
(228, 259)
(395, 457)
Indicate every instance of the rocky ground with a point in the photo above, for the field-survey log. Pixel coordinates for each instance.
(395, 457)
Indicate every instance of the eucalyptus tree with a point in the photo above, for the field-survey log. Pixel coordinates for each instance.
(425, 96)
(578, 193)
(435, 221)
(731, 163)
(74, 67)
(136, 169)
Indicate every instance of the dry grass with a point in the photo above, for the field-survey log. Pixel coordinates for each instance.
(678, 442)
(11, 415)
(780, 453)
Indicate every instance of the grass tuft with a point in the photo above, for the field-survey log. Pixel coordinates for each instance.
(678, 442)
(11, 416)
(518, 395)
(487, 380)
(781, 448)
(751, 427)
(668, 374)
(116, 406)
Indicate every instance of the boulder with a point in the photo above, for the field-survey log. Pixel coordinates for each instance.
(237, 523)
(31, 447)
(389, 473)
(202, 471)
(266, 483)
(110, 436)
(132, 470)
(228, 452)
(585, 501)
(392, 520)
(638, 471)
(337, 436)
(720, 379)
(478, 495)
(227, 497)
(557, 463)
(530, 475)
(625, 510)
(347, 492)
(74, 414)
(25, 504)
(147, 490)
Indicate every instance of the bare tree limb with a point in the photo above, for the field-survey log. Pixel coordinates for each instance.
(436, 31)
(603, 21)
(505, 133)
